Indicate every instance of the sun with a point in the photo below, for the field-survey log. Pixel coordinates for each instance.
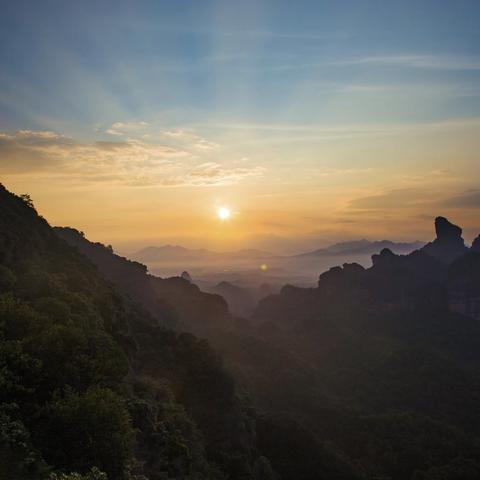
(223, 213)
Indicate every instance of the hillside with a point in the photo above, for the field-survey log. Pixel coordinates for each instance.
(375, 372)
(90, 380)
(174, 301)
(396, 346)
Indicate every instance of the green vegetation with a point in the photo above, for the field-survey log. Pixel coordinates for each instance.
(91, 387)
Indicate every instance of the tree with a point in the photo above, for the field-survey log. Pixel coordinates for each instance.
(27, 199)
(95, 425)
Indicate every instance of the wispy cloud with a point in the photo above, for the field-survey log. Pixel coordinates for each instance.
(211, 173)
(467, 199)
(124, 128)
(394, 199)
(410, 61)
(130, 162)
(451, 123)
(435, 62)
(189, 139)
(419, 196)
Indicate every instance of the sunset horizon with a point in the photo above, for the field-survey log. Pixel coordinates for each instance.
(317, 124)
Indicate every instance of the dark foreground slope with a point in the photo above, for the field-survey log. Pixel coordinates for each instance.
(88, 379)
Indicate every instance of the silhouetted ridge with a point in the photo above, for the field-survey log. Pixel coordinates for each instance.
(449, 243)
(446, 230)
(239, 299)
(362, 247)
(476, 244)
(89, 379)
(396, 347)
(174, 301)
(385, 255)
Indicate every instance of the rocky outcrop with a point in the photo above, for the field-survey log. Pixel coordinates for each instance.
(385, 256)
(476, 245)
(449, 244)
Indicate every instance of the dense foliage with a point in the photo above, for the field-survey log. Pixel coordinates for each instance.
(91, 387)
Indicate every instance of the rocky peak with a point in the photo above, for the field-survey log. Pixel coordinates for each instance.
(449, 243)
(384, 256)
(476, 245)
(446, 230)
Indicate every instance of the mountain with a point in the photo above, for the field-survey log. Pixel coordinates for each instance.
(174, 301)
(363, 247)
(87, 368)
(91, 382)
(176, 253)
(476, 244)
(449, 243)
(391, 353)
(240, 300)
(250, 268)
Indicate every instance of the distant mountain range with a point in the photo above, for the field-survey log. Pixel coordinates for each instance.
(174, 253)
(364, 247)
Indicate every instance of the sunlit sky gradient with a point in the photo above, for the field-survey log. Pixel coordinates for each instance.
(313, 121)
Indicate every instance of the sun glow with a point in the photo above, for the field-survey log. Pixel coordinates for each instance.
(223, 213)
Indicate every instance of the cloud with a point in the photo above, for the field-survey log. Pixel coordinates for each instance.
(129, 125)
(25, 137)
(212, 173)
(129, 162)
(205, 145)
(399, 198)
(419, 196)
(353, 129)
(418, 61)
(435, 62)
(122, 128)
(190, 139)
(111, 131)
(178, 133)
(467, 199)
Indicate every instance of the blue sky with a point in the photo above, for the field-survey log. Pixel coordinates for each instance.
(262, 104)
(78, 63)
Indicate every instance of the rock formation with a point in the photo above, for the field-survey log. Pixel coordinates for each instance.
(476, 245)
(449, 244)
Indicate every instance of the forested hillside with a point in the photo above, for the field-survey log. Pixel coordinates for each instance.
(89, 380)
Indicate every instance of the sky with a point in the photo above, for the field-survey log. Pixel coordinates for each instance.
(312, 121)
